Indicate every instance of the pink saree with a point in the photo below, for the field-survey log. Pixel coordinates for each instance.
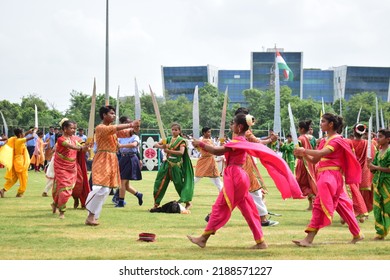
(331, 194)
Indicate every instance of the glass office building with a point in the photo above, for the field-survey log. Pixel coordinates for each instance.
(318, 85)
(181, 81)
(343, 81)
(350, 80)
(262, 70)
(237, 81)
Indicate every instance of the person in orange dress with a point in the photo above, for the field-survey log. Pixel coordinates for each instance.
(38, 158)
(105, 167)
(207, 165)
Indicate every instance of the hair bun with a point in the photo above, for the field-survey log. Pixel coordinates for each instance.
(360, 129)
(62, 121)
(250, 120)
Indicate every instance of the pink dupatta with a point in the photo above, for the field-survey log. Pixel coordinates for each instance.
(276, 167)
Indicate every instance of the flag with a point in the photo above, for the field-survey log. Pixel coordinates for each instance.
(282, 65)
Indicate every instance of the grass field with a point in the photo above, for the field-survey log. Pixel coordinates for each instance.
(29, 230)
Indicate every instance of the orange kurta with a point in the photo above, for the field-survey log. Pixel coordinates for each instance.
(255, 178)
(105, 168)
(206, 165)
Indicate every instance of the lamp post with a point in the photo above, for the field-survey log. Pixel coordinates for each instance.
(107, 72)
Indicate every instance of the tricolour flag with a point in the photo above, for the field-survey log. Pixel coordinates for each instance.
(287, 73)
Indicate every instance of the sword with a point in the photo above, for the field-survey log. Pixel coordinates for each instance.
(137, 101)
(369, 137)
(36, 117)
(5, 125)
(117, 108)
(292, 127)
(223, 119)
(358, 116)
(91, 122)
(158, 116)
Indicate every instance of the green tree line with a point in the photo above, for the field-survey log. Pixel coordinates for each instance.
(260, 104)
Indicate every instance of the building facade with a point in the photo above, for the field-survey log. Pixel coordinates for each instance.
(350, 80)
(181, 81)
(329, 85)
(236, 81)
(318, 85)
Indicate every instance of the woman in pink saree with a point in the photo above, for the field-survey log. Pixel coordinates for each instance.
(361, 147)
(335, 159)
(305, 170)
(236, 182)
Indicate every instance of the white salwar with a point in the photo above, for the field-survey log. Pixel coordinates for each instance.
(95, 200)
(258, 200)
(49, 175)
(216, 181)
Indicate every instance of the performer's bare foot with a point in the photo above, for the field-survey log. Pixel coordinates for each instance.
(357, 239)
(342, 222)
(91, 221)
(200, 241)
(188, 205)
(303, 243)
(261, 245)
(62, 215)
(53, 208)
(378, 238)
(362, 219)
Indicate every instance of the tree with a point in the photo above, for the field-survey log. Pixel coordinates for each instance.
(210, 108)
(364, 100)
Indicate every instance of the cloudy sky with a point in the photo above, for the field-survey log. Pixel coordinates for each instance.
(51, 47)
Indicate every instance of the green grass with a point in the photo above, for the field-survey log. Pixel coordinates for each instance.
(29, 231)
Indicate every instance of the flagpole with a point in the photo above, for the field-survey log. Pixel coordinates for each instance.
(107, 59)
(277, 121)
